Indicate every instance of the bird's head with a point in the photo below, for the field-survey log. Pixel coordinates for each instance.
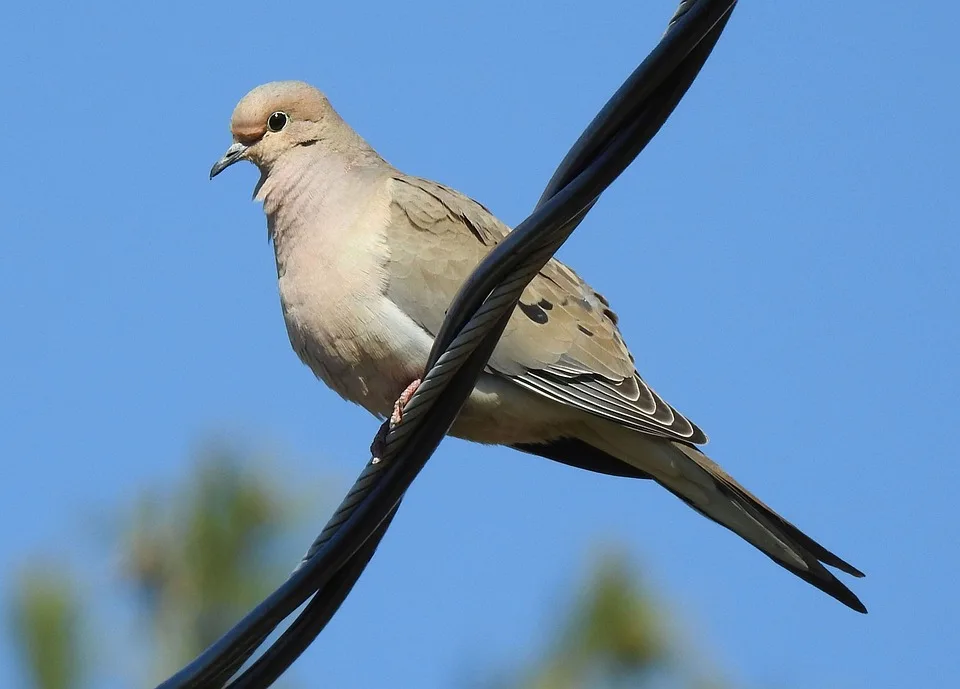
(273, 119)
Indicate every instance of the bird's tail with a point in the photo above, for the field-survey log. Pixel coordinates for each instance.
(701, 483)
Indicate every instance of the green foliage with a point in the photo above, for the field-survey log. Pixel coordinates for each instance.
(199, 555)
(612, 635)
(45, 616)
(616, 623)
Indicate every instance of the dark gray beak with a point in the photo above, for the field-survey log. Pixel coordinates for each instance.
(233, 154)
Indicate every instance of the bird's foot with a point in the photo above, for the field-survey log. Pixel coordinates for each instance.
(397, 415)
(377, 446)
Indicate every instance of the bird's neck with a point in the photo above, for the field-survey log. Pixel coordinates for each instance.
(315, 183)
(320, 205)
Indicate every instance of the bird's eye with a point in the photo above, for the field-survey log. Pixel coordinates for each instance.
(277, 121)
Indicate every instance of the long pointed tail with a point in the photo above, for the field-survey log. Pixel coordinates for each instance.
(701, 483)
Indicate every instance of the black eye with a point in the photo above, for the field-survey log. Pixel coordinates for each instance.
(277, 121)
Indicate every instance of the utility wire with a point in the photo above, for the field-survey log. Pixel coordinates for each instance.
(475, 320)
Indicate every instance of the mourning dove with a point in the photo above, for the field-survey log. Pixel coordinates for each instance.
(369, 258)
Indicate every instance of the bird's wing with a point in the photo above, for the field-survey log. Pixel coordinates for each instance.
(562, 341)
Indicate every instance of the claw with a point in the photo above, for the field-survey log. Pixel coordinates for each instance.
(377, 446)
(397, 415)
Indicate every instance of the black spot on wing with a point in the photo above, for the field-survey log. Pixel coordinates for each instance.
(472, 227)
(534, 313)
(545, 304)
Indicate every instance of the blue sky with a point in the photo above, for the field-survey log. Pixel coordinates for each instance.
(783, 258)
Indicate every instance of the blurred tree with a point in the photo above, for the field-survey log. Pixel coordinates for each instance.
(614, 635)
(201, 554)
(198, 556)
(45, 615)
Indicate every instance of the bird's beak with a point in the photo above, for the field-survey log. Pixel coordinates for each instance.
(233, 154)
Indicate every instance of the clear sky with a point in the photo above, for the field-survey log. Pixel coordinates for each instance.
(783, 258)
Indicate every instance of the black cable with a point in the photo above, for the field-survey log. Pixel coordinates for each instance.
(299, 635)
(308, 624)
(630, 97)
(691, 23)
(440, 435)
(614, 138)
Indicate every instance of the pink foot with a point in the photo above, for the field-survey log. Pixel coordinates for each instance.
(401, 402)
(376, 447)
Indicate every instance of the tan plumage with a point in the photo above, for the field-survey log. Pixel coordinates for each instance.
(368, 260)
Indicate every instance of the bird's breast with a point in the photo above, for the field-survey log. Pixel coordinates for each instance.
(332, 284)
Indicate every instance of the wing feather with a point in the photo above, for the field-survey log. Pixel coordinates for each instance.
(562, 342)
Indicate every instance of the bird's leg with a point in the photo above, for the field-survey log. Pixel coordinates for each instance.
(377, 446)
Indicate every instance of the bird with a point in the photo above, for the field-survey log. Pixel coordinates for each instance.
(368, 259)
